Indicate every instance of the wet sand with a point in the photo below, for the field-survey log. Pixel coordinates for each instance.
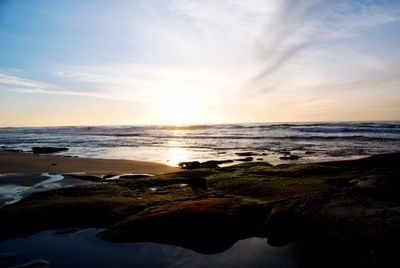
(29, 163)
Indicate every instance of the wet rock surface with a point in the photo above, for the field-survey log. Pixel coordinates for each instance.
(351, 209)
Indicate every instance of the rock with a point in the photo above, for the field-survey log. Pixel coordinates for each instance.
(246, 159)
(190, 165)
(210, 164)
(48, 150)
(281, 226)
(260, 159)
(285, 152)
(290, 157)
(264, 154)
(246, 154)
(207, 164)
(309, 152)
(133, 176)
(12, 150)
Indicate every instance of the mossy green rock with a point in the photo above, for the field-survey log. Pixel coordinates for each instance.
(348, 205)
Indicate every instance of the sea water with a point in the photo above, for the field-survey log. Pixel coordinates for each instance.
(173, 144)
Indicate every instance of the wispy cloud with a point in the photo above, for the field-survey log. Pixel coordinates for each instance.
(23, 85)
(303, 24)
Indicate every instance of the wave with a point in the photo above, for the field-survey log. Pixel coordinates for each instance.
(343, 138)
(394, 130)
(188, 127)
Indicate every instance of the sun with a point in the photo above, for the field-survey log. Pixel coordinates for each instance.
(179, 107)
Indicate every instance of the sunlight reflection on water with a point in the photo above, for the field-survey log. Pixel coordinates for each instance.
(84, 249)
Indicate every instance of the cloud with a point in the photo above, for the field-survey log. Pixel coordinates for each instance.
(302, 25)
(257, 53)
(20, 84)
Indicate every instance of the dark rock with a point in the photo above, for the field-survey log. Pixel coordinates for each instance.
(54, 164)
(264, 154)
(218, 162)
(246, 154)
(309, 152)
(260, 159)
(133, 176)
(246, 159)
(12, 150)
(210, 164)
(48, 150)
(207, 226)
(190, 165)
(290, 157)
(281, 225)
(285, 152)
(207, 164)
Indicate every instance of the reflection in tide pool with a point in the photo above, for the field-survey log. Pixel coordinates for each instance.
(84, 249)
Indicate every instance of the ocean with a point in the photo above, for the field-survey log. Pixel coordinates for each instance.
(312, 142)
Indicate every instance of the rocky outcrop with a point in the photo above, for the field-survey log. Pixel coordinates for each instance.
(346, 211)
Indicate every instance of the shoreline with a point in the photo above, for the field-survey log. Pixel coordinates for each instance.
(31, 163)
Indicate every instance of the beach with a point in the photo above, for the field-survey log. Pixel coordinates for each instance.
(30, 163)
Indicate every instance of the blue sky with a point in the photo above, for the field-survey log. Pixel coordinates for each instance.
(191, 61)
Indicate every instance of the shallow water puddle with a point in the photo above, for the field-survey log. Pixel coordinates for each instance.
(85, 249)
(16, 186)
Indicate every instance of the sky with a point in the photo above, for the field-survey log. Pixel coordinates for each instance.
(198, 61)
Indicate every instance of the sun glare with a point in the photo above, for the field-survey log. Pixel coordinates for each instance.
(179, 107)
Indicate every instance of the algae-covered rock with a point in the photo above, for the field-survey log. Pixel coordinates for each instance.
(350, 205)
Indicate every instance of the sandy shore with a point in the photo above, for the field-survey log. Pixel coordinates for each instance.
(29, 163)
